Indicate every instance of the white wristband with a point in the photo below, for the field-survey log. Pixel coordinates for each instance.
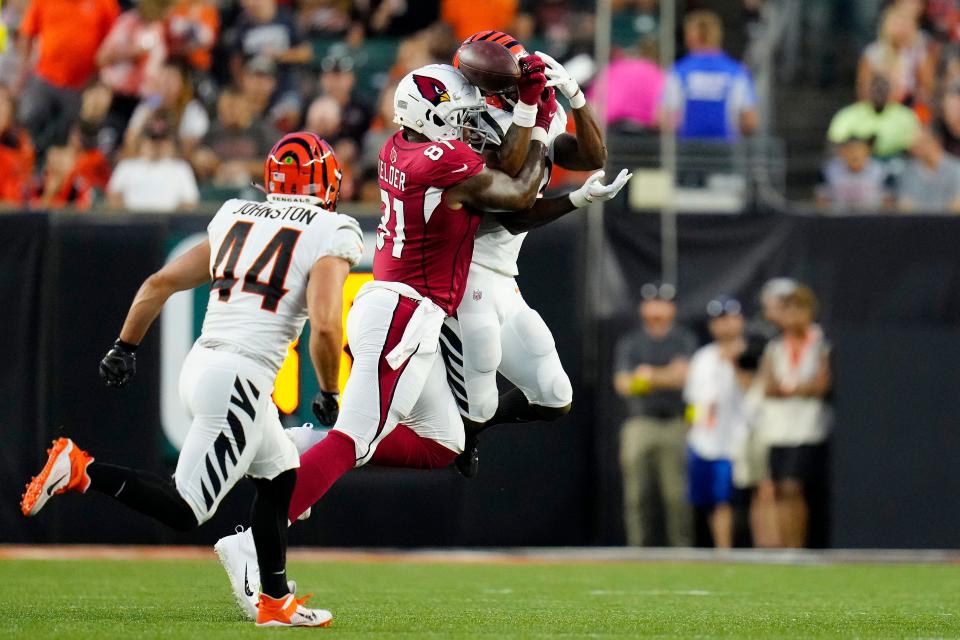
(525, 115)
(578, 100)
(539, 135)
(578, 199)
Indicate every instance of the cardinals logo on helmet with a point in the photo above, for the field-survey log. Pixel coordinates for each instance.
(432, 89)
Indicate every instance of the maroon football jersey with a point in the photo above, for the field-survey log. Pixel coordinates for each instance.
(420, 241)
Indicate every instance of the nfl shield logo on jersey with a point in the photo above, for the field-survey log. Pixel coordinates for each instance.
(477, 295)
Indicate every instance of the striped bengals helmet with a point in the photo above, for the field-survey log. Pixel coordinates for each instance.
(301, 163)
(511, 44)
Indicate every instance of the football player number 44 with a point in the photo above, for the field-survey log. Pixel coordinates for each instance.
(272, 290)
(434, 152)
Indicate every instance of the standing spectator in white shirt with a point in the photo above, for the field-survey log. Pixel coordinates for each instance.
(715, 402)
(157, 180)
(796, 418)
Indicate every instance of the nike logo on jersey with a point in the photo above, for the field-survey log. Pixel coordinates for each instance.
(246, 583)
(53, 487)
(461, 170)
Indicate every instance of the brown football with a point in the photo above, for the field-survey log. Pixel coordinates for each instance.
(488, 65)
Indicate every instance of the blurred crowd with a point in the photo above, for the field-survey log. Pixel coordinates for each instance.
(725, 443)
(895, 149)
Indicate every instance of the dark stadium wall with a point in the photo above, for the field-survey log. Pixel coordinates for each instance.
(891, 301)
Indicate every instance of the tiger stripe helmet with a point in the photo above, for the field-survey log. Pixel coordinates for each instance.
(510, 43)
(302, 163)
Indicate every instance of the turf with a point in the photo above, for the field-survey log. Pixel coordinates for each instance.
(190, 599)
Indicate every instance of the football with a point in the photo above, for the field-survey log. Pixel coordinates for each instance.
(489, 66)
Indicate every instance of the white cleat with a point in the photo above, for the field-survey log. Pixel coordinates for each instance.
(290, 611)
(238, 555)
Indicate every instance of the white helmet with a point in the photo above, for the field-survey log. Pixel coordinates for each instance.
(439, 102)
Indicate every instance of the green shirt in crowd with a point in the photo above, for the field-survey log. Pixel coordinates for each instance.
(893, 128)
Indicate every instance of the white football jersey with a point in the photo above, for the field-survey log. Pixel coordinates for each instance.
(261, 254)
(496, 248)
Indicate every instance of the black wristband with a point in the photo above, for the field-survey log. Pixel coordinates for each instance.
(126, 346)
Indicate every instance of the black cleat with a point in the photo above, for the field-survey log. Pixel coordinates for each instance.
(468, 462)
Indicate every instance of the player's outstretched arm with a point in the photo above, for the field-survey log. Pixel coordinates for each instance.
(546, 210)
(586, 151)
(325, 308)
(186, 272)
(494, 189)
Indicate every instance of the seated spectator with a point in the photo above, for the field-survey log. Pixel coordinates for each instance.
(265, 30)
(635, 88)
(930, 183)
(708, 94)
(95, 118)
(891, 125)
(468, 16)
(192, 29)
(16, 155)
(156, 180)
(66, 40)
(338, 81)
(796, 418)
(716, 414)
(63, 183)
(324, 118)
(131, 55)
(170, 92)
(901, 53)
(948, 121)
(233, 151)
(853, 181)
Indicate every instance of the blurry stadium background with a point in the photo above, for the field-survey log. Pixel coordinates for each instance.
(124, 126)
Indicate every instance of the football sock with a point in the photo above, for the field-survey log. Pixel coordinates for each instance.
(514, 408)
(320, 468)
(269, 520)
(143, 491)
(404, 448)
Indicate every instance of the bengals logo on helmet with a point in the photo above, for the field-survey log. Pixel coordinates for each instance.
(432, 89)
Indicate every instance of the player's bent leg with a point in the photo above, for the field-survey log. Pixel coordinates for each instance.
(404, 448)
(470, 346)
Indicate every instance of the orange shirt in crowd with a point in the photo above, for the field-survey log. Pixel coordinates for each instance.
(69, 33)
(16, 166)
(469, 16)
(201, 18)
(131, 77)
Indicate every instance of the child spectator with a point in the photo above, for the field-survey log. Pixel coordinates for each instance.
(930, 183)
(16, 155)
(708, 94)
(891, 125)
(854, 182)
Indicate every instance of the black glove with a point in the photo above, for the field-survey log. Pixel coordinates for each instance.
(119, 365)
(326, 406)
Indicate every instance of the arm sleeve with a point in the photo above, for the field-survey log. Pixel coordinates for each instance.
(346, 242)
(457, 163)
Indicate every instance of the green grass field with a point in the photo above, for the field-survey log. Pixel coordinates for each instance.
(190, 599)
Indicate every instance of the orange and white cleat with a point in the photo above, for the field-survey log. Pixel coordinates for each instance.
(66, 470)
(289, 611)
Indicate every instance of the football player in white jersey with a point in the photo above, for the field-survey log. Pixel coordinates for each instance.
(271, 265)
(495, 330)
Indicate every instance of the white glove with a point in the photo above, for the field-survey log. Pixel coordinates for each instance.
(593, 190)
(559, 77)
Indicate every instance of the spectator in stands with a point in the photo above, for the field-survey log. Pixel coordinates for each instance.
(769, 324)
(16, 154)
(902, 53)
(337, 81)
(634, 21)
(650, 371)
(233, 151)
(157, 180)
(266, 30)
(65, 182)
(11, 61)
(716, 413)
(930, 183)
(468, 16)
(170, 92)
(635, 88)
(324, 118)
(891, 125)
(95, 118)
(381, 128)
(65, 35)
(131, 56)
(258, 84)
(948, 121)
(708, 94)
(192, 30)
(854, 182)
(796, 417)
(392, 17)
